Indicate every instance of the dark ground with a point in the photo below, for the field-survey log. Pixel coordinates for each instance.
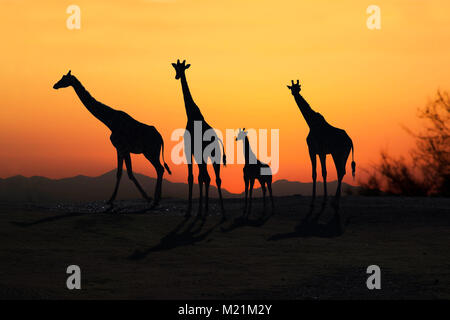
(134, 253)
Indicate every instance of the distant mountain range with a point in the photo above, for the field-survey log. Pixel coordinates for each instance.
(83, 188)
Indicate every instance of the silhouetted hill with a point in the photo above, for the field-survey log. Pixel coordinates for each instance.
(83, 188)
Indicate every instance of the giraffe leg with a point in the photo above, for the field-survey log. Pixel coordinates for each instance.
(246, 182)
(200, 197)
(189, 151)
(190, 184)
(202, 178)
(263, 188)
(118, 177)
(338, 191)
(269, 186)
(133, 178)
(216, 167)
(154, 160)
(323, 164)
(339, 161)
(314, 175)
(340, 173)
(207, 183)
(252, 183)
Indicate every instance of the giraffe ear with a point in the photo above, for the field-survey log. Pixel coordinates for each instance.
(188, 65)
(289, 87)
(174, 65)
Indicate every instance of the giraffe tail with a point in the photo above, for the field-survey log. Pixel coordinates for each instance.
(353, 161)
(165, 164)
(224, 157)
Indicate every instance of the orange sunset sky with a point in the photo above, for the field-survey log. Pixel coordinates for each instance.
(242, 52)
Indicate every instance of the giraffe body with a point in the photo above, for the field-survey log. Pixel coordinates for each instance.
(323, 138)
(132, 136)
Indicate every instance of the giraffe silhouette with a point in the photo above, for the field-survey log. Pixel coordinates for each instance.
(253, 169)
(193, 139)
(127, 136)
(324, 139)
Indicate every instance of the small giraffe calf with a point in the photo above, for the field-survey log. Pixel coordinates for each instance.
(253, 170)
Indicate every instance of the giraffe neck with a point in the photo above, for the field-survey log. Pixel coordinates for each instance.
(250, 157)
(192, 110)
(98, 109)
(305, 109)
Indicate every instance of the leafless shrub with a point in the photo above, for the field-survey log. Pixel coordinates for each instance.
(429, 171)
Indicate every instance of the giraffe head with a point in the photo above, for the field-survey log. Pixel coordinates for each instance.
(65, 81)
(241, 134)
(295, 87)
(180, 67)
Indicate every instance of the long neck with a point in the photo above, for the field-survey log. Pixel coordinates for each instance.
(250, 157)
(192, 110)
(98, 109)
(305, 108)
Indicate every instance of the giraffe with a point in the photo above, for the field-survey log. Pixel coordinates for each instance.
(324, 139)
(253, 170)
(127, 136)
(192, 136)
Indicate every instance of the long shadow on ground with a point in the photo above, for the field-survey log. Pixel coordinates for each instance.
(47, 219)
(109, 209)
(240, 222)
(312, 228)
(191, 235)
